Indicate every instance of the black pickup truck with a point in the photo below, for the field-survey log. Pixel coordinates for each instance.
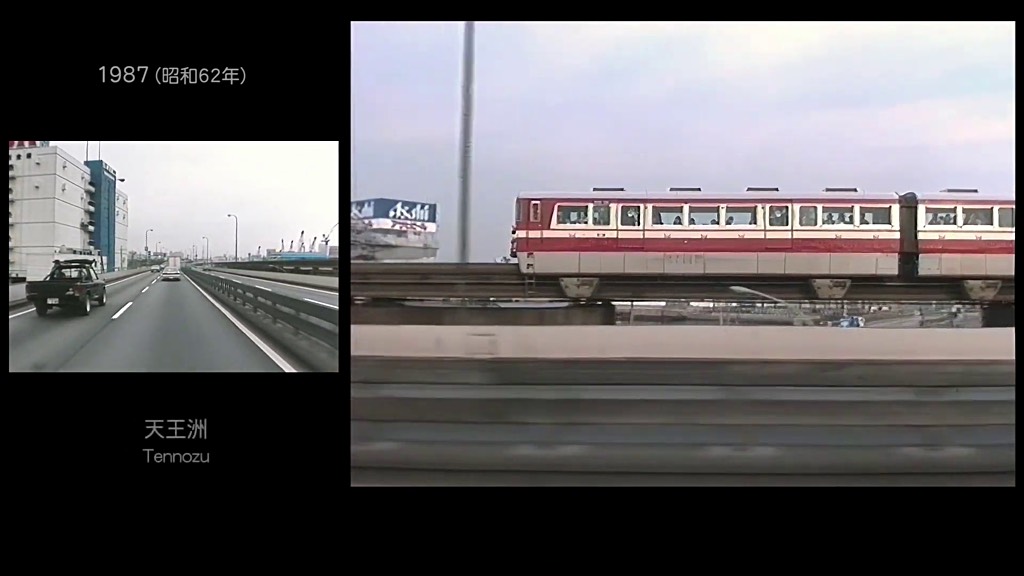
(70, 284)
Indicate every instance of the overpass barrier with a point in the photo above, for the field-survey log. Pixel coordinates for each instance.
(639, 343)
(323, 282)
(306, 330)
(678, 400)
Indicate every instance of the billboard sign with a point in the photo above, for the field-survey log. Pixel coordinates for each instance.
(398, 210)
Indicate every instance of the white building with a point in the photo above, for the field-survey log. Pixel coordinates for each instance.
(120, 255)
(51, 207)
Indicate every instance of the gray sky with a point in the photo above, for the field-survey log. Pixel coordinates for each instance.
(185, 190)
(568, 106)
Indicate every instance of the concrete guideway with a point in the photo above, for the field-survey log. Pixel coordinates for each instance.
(420, 280)
(638, 343)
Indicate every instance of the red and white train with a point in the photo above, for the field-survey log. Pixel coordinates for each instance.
(839, 232)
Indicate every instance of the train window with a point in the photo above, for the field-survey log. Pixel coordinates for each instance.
(808, 215)
(833, 215)
(602, 215)
(703, 215)
(875, 216)
(741, 216)
(573, 215)
(667, 215)
(1006, 218)
(629, 215)
(535, 211)
(977, 216)
(778, 216)
(940, 216)
(519, 212)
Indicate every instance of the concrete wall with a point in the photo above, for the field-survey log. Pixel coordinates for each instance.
(679, 342)
(590, 315)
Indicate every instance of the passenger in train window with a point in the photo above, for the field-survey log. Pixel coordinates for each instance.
(808, 216)
(740, 216)
(835, 216)
(693, 221)
(678, 221)
(665, 215)
(779, 216)
(704, 216)
(941, 217)
(572, 215)
(602, 215)
(977, 216)
(629, 216)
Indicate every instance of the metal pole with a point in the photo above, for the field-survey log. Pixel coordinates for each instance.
(236, 234)
(466, 143)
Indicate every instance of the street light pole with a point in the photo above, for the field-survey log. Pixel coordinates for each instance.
(799, 313)
(236, 235)
(466, 143)
(206, 254)
(147, 243)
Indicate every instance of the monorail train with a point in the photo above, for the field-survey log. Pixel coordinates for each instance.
(839, 232)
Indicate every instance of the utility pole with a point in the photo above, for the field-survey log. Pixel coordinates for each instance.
(466, 143)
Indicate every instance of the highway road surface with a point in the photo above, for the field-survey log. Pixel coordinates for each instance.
(146, 326)
(322, 297)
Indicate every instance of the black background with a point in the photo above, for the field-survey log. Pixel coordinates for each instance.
(273, 439)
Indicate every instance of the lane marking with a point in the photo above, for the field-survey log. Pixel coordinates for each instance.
(754, 451)
(144, 289)
(274, 356)
(548, 450)
(321, 303)
(121, 311)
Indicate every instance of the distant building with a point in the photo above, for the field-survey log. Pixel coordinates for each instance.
(121, 255)
(54, 209)
(104, 179)
(389, 229)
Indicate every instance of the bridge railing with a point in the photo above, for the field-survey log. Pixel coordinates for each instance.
(307, 330)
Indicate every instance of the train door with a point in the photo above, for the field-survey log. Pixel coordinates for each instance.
(778, 234)
(630, 220)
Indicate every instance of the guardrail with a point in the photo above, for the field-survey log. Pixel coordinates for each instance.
(323, 282)
(309, 331)
(869, 411)
(306, 267)
(505, 281)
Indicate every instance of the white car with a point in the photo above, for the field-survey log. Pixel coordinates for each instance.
(154, 268)
(170, 274)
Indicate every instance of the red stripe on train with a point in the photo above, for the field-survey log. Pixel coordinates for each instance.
(803, 245)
